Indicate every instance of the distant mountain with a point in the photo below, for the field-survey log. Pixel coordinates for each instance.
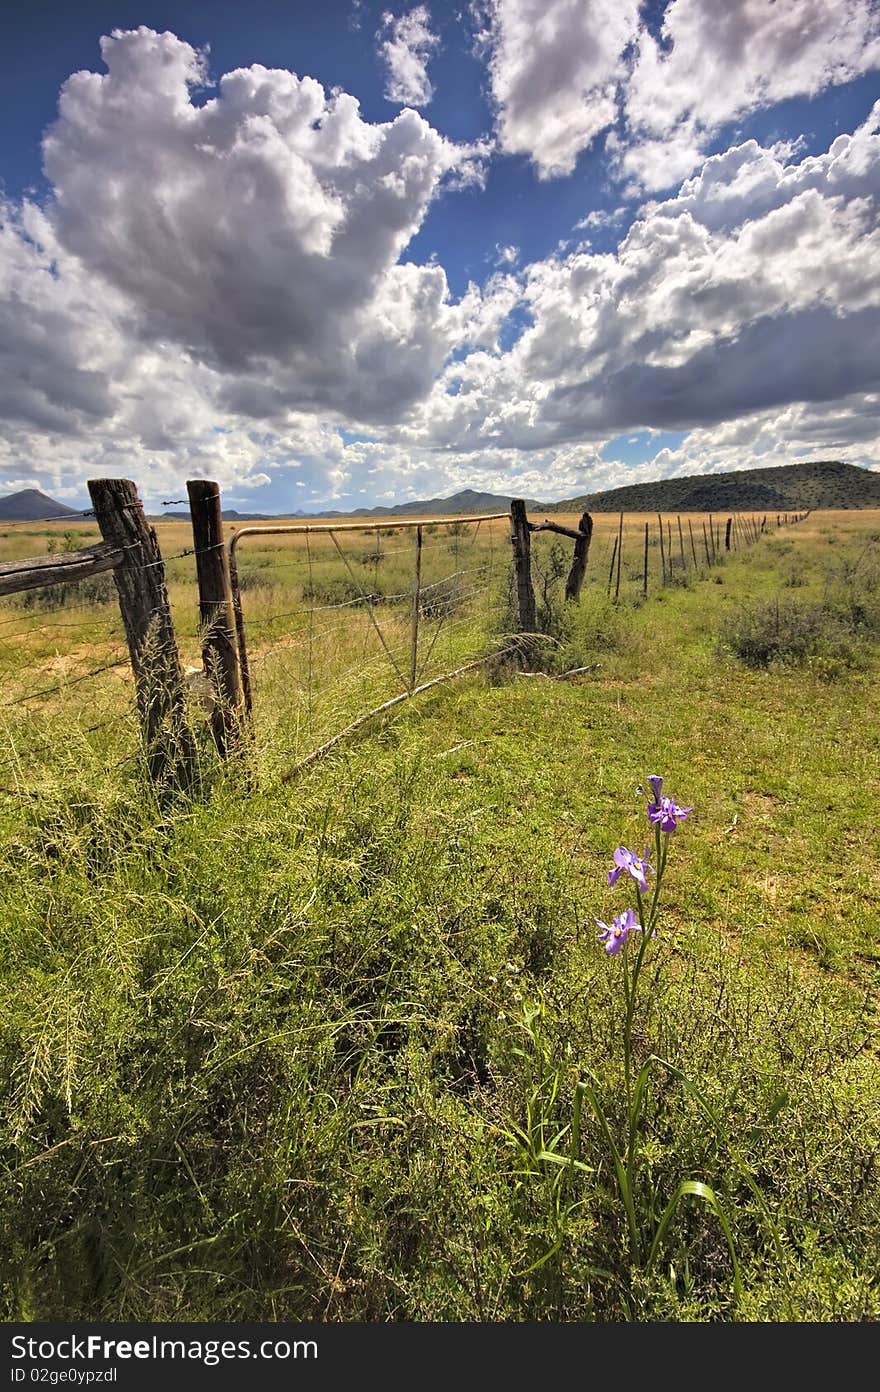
(229, 515)
(826, 483)
(465, 502)
(30, 505)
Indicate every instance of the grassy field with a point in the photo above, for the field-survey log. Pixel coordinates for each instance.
(349, 1049)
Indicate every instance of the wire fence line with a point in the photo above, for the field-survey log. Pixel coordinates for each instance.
(324, 667)
(328, 621)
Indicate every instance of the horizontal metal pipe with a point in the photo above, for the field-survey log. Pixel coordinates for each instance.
(301, 528)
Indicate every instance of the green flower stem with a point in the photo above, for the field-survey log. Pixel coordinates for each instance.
(630, 984)
(635, 1097)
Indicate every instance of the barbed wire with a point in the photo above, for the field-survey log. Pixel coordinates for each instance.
(96, 623)
(366, 558)
(61, 686)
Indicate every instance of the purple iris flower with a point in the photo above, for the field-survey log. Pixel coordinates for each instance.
(656, 783)
(666, 814)
(615, 937)
(634, 865)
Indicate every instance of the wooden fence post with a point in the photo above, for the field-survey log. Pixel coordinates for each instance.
(216, 613)
(693, 546)
(522, 563)
(619, 558)
(727, 534)
(146, 616)
(581, 552)
(611, 567)
(662, 550)
(645, 570)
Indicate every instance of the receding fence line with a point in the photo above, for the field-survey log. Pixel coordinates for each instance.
(130, 551)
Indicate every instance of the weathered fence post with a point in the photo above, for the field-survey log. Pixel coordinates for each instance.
(693, 545)
(619, 557)
(662, 549)
(581, 552)
(522, 563)
(645, 570)
(243, 662)
(681, 543)
(727, 534)
(216, 612)
(611, 567)
(146, 616)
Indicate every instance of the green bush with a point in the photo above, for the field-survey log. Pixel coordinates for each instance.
(793, 633)
(338, 589)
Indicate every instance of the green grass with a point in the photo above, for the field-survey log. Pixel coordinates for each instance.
(295, 1051)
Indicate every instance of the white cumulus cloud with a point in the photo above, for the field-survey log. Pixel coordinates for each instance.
(259, 232)
(554, 68)
(563, 72)
(406, 53)
(719, 303)
(717, 61)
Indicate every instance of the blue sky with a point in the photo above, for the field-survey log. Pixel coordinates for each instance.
(359, 253)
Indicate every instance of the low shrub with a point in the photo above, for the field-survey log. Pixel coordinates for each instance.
(793, 633)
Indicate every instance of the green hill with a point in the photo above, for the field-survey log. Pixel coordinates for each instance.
(786, 488)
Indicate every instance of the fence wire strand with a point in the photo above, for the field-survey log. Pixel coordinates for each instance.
(328, 660)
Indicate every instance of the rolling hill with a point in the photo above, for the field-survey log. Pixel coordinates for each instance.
(785, 488)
